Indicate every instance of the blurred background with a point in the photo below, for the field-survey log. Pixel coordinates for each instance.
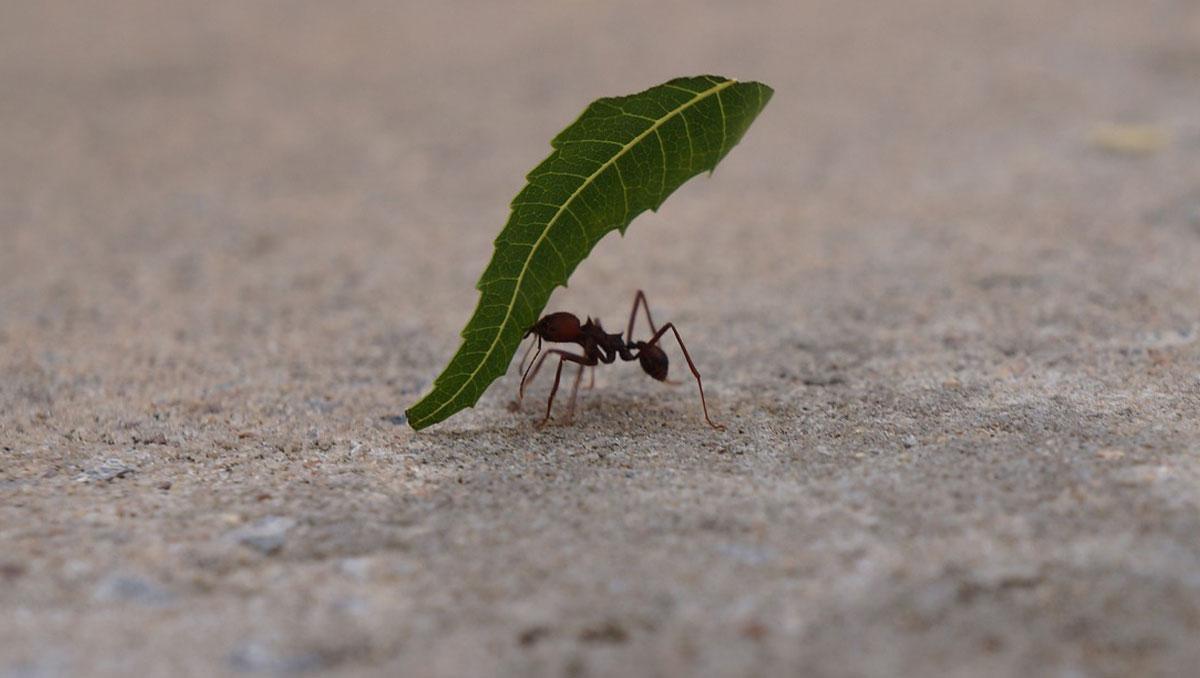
(944, 292)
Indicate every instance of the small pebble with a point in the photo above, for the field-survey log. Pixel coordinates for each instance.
(256, 657)
(110, 469)
(131, 589)
(745, 553)
(1129, 139)
(532, 635)
(267, 536)
(607, 632)
(358, 568)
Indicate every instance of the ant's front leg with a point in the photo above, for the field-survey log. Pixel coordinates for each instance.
(563, 356)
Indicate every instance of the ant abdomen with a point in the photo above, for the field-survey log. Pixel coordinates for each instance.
(653, 360)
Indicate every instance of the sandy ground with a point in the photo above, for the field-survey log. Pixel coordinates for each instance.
(945, 294)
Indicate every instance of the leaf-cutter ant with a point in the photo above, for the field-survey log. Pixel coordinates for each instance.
(601, 347)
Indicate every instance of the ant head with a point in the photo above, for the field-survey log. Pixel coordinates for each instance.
(560, 327)
(653, 360)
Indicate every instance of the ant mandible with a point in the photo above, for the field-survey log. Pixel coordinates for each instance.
(601, 347)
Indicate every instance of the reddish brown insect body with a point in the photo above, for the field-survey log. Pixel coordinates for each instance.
(601, 347)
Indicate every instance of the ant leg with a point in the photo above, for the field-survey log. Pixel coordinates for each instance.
(550, 400)
(639, 298)
(536, 367)
(574, 393)
(563, 356)
(592, 380)
(524, 372)
(692, 365)
(537, 341)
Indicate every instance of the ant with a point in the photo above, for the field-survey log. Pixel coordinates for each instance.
(601, 347)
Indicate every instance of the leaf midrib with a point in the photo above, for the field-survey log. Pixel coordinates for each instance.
(562, 208)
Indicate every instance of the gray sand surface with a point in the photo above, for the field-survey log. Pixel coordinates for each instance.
(946, 295)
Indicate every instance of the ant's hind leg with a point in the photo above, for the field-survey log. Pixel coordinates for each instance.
(553, 390)
(563, 357)
(574, 393)
(639, 298)
(691, 365)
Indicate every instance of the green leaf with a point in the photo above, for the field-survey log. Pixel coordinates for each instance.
(623, 155)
